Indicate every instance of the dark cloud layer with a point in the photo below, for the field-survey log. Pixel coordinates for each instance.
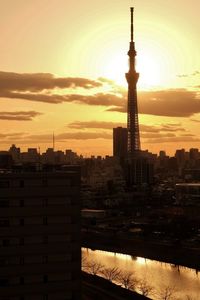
(95, 124)
(19, 115)
(175, 139)
(40, 87)
(169, 103)
(148, 136)
(24, 138)
(35, 82)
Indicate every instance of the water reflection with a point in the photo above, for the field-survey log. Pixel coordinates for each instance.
(184, 281)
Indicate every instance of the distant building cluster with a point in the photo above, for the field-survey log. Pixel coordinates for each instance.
(33, 156)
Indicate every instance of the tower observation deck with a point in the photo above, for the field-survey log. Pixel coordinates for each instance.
(132, 109)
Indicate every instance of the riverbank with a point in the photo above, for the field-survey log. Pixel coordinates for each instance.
(157, 250)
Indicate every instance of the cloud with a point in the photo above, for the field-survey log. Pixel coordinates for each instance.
(99, 99)
(35, 82)
(19, 115)
(84, 135)
(194, 120)
(95, 124)
(171, 127)
(175, 139)
(156, 135)
(169, 103)
(41, 87)
(12, 134)
(175, 103)
(23, 138)
(187, 134)
(195, 73)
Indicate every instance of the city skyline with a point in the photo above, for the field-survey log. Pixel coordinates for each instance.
(62, 71)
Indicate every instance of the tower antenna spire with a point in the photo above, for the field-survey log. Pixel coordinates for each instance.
(132, 9)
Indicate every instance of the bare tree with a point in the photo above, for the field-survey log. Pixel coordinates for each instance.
(144, 288)
(190, 298)
(128, 280)
(84, 263)
(95, 267)
(167, 292)
(111, 273)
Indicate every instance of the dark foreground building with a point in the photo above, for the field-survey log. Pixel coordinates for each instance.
(40, 255)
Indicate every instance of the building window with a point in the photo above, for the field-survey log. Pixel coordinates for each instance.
(4, 184)
(45, 259)
(4, 282)
(3, 262)
(21, 222)
(44, 182)
(21, 260)
(6, 242)
(45, 202)
(45, 278)
(21, 183)
(4, 203)
(45, 239)
(21, 241)
(4, 222)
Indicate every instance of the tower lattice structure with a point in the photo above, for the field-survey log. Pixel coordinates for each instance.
(132, 118)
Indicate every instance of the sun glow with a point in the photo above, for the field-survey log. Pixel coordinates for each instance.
(148, 67)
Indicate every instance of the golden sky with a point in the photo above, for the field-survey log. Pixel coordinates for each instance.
(62, 69)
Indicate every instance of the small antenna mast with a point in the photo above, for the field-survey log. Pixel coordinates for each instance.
(53, 141)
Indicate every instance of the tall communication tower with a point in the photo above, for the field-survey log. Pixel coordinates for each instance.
(132, 119)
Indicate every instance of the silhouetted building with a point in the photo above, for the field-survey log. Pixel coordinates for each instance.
(6, 160)
(15, 152)
(180, 156)
(162, 154)
(188, 193)
(40, 254)
(194, 153)
(120, 139)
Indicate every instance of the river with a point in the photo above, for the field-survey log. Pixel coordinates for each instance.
(183, 282)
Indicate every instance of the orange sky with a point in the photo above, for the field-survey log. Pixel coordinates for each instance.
(62, 70)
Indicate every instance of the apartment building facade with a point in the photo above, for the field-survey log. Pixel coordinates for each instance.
(40, 255)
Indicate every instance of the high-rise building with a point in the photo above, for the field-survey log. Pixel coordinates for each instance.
(180, 155)
(132, 109)
(40, 255)
(120, 139)
(15, 152)
(194, 153)
(162, 154)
